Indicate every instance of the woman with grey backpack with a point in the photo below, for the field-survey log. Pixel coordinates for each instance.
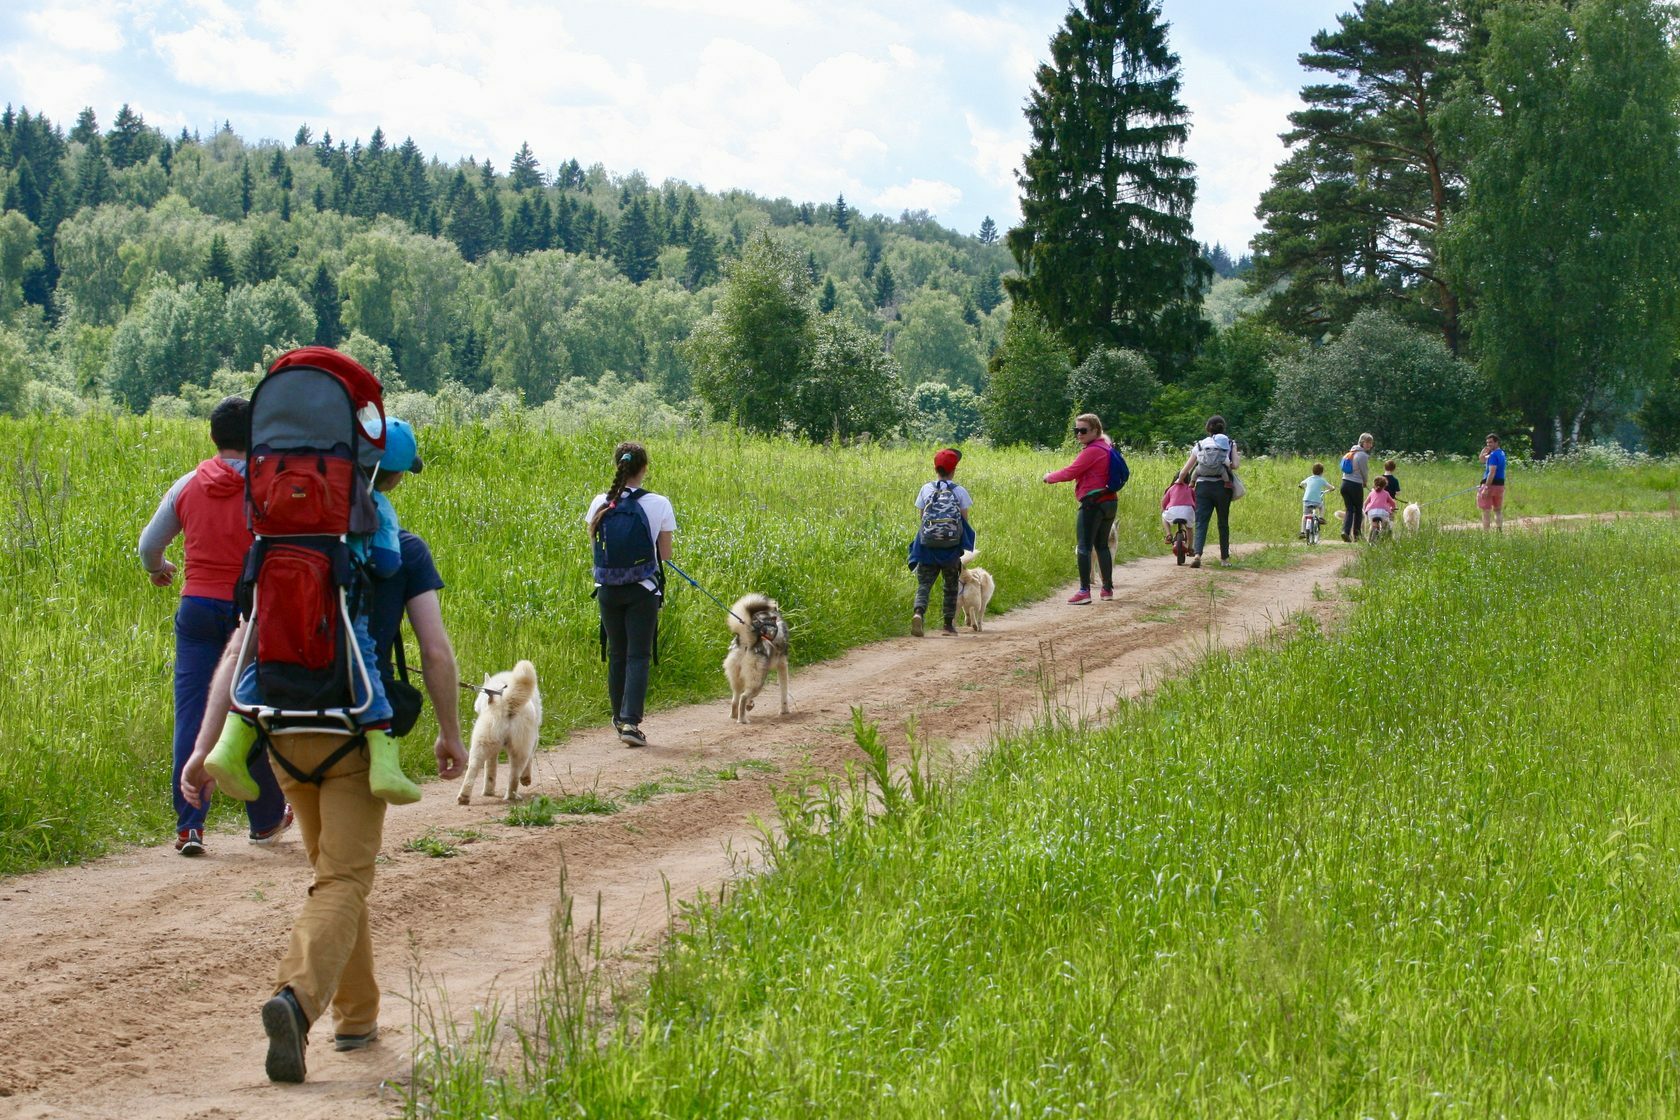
(1212, 467)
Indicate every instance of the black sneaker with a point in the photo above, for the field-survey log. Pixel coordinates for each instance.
(950, 628)
(355, 1041)
(631, 735)
(288, 1034)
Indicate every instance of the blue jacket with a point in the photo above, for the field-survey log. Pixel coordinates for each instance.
(941, 557)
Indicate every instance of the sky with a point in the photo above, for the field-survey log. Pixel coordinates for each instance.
(897, 104)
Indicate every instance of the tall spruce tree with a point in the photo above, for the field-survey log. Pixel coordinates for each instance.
(323, 297)
(636, 246)
(524, 173)
(988, 234)
(1104, 245)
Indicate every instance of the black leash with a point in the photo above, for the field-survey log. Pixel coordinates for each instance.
(694, 584)
(1454, 494)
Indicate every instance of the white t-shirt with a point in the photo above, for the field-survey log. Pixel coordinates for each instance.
(661, 519)
(964, 502)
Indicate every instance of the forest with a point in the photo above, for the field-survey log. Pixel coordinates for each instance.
(1473, 227)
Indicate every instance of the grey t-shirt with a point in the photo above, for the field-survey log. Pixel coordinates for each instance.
(1361, 467)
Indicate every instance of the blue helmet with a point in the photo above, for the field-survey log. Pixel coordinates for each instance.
(402, 450)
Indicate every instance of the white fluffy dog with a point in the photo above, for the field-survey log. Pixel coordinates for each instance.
(760, 645)
(974, 591)
(1412, 516)
(509, 711)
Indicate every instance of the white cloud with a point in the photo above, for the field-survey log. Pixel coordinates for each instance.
(84, 29)
(55, 84)
(932, 195)
(997, 152)
(1234, 142)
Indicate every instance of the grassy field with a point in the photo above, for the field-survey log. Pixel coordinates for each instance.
(1423, 868)
(86, 642)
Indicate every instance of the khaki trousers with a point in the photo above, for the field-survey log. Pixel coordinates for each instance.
(330, 958)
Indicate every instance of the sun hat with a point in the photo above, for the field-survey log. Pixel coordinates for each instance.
(402, 450)
(947, 459)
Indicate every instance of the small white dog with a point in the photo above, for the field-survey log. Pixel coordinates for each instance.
(509, 711)
(1412, 516)
(760, 645)
(974, 591)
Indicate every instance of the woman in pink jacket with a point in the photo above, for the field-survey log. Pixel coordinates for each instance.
(1089, 474)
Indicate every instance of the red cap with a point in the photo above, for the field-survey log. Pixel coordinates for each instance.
(947, 459)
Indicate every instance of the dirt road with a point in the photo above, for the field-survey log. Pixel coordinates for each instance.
(130, 986)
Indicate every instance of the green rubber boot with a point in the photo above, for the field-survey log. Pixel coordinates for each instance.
(229, 760)
(385, 776)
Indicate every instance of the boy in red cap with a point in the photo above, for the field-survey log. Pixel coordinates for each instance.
(938, 545)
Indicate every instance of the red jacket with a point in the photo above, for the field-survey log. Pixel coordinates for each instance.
(1089, 469)
(211, 508)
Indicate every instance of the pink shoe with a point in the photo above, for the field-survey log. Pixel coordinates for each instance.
(1081, 596)
(1107, 594)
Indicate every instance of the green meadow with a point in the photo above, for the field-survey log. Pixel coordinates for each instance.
(1423, 866)
(86, 642)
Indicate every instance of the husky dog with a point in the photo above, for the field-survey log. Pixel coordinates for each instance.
(974, 591)
(760, 644)
(1412, 516)
(509, 711)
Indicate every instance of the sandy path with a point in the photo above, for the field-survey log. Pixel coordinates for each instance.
(106, 1006)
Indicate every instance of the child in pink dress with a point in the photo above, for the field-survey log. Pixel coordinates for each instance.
(1379, 504)
(1178, 506)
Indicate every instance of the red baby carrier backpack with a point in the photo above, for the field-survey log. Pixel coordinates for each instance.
(317, 422)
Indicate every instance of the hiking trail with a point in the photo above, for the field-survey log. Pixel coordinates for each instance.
(130, 986)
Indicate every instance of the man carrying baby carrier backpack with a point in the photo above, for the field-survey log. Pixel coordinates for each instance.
(308, 696)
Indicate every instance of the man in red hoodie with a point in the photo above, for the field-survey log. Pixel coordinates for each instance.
(208, 506)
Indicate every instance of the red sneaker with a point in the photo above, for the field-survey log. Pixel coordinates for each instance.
(1081, 597)
(273, 834)
(189, 842)
(1107, 594)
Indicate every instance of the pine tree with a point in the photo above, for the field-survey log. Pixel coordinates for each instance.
(323, 297)
(988, 291)
(701, 267)
(988, 231)
(218, 267)
(525, 173)
(260, 261)
(1104, 244)
(27, 193)
(130, 141)
(303, 138)
(93, 177)
(469, 223)
(885, 286)
(87, 127)
(689, 220)
(277, 165)
(829, 297)
(635, 247)
(842, 214)
(246, 187)
(522, 229)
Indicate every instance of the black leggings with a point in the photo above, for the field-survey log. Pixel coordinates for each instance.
(1091, 529)
(1353, 497)
(1213, 496)
(630, 619)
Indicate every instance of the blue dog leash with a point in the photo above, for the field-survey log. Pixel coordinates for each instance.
(692, 582)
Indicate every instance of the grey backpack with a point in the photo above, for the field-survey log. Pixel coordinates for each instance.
(942, 517)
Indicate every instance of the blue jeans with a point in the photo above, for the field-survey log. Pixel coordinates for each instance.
(202, 629)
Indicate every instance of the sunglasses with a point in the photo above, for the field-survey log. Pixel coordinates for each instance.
(1080, 431)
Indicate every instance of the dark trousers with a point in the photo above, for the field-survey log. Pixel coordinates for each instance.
(1353, 497)
(1091, 532)
(926, 574)
(630, 620)
(202, 629)
(1213, 496)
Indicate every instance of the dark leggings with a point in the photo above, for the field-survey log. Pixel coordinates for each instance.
(1353, 497)
(1092, 526)
(1213, 495)
(630, 618)
(926, 574)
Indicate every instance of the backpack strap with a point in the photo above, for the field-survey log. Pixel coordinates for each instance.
(319, 774)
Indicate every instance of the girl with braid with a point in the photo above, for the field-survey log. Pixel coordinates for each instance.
(630, 531)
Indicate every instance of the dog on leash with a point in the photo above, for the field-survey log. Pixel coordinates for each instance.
(1412, 516)
(509, 711)
(759, 645)
(974, 591)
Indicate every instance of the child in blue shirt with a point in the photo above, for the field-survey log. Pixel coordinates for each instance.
(1313, 488)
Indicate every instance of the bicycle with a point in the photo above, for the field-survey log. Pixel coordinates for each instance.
(1180, 541)
(1312, 521)
(1377, 528)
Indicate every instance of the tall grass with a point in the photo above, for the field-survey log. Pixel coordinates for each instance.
(86, 643)
(1423, 868)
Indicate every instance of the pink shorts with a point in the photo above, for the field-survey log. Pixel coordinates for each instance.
(1491, 497)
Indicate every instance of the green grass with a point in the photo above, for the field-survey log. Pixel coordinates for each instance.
(1425, 867)
(542, 811)
(86, 643)
(692, 781)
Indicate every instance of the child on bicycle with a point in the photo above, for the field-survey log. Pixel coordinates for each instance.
(1178, 506)
(1379, 506)
(1313, 488)
(1393, 482)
